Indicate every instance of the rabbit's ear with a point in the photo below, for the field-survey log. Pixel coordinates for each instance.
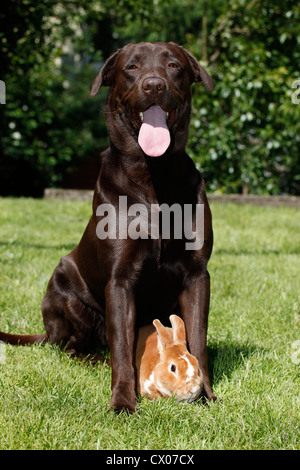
(163, 336)
(179, 335)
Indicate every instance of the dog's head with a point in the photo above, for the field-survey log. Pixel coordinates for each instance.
(149, 102)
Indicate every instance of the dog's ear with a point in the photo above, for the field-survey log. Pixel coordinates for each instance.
(104, 77)
(199, 74)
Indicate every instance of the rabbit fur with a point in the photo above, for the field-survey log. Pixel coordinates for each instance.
(164, 365)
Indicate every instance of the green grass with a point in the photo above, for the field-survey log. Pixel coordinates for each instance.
(49, 401)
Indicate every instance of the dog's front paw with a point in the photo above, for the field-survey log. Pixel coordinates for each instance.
(207, 396)
(121, 400)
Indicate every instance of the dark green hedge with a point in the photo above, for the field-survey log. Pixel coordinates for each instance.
(244, 136)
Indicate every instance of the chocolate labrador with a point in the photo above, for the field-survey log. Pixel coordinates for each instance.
(116, 281)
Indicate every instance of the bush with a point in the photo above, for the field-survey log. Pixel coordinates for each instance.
(48, 124)
(246, 135)
(243, 137)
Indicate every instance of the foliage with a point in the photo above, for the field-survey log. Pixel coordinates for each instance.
(48, 123)
(244, 136)
(248, 133)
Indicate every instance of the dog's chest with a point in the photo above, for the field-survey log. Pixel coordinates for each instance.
(161, 280)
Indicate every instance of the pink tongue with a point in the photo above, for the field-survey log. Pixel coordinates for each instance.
(154, 135)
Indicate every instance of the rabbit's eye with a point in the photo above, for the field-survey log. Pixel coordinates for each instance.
(173, 368)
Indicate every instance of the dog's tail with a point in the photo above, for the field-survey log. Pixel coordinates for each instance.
(22, 340)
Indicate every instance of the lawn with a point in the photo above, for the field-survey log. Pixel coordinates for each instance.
(49, 401)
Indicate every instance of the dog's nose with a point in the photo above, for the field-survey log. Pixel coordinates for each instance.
(153, 86)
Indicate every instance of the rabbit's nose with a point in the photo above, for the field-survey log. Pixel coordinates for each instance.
(193, 396)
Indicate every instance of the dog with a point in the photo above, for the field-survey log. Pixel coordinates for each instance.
(107, 288)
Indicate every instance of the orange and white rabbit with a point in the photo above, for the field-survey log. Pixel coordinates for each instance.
(164, 365)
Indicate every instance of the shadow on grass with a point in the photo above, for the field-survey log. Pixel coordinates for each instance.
(224, 357)
(257, 252)
(68, 246)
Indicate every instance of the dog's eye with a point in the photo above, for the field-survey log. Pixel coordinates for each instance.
(172, 65)
(173, 368)
(132, 67)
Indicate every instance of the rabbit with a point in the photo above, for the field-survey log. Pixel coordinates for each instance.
(164, 365)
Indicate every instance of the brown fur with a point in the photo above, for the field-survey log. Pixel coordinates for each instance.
(158, 349)
(101, 292)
